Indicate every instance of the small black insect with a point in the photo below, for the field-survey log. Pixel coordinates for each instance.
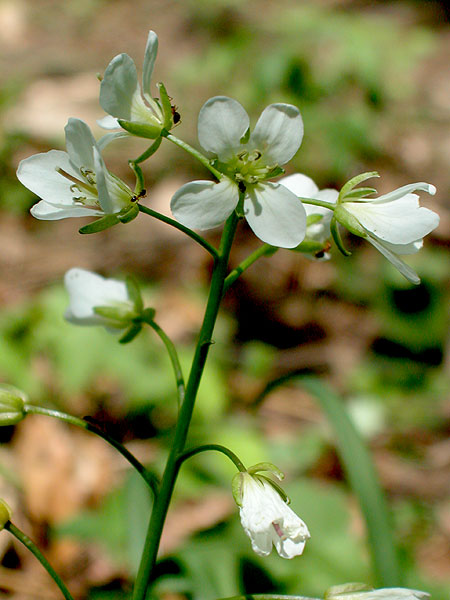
(175, 114)
(141, 194)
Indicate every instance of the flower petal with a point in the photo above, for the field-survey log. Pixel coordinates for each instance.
(204, 204)
(404, 269)
(300, 185)
(222, 122)
(151, 50)
(108, 122)
(52, 212)
(104, 198)
(278, 133)
(87, 290)
(39, 173)
(110, 137)
(401, 221)
(404, 190)
(79, 143)
(275, 215)
(118, 87)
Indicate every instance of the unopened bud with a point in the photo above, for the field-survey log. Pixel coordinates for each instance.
(5, 514)
(12, 405)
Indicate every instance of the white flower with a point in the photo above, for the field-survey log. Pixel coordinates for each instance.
(94, 300)
(318, 217)
(394, 223)
(267, 519)
(121, 96)
(345, 592)
(75, 183)
(273, 212)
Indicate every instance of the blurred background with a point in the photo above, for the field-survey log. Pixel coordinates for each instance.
(371, 80)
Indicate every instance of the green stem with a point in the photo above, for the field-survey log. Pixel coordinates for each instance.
(204, 341)
(264, 250)
(231, 455)
(193, 152)
(198, 238)
(173, 355)
(25, 540)
(149, 477)
(314, 202)
(151, 150)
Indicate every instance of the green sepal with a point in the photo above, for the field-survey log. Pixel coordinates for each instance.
(337, 237)
(236, 488)
(166, 106)
(354, 181)
(244, 139)
(360, 193)
(117, 316)
(309, 247)
(336, 591)
(143, 130)
(313, 219)
(275, 486)
(134, 293)
(274, 172)
(129, 213)
(266, 467)
(100, 224)
(345, 218)
(148, 315)
(131, 333)
(5, 514)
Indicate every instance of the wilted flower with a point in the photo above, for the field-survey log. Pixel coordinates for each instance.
(394, 223)
(266, 517)
(273, 212)
(318, 218)
(75, 183)
(357, 591)
(121, 96)
(95, 300)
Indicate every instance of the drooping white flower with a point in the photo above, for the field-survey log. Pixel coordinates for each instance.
(318, 217)
(394, 223)
(267, 519)
(75, 183)
(273, 212)
(354, 591)
(123, 99)
(95, 300)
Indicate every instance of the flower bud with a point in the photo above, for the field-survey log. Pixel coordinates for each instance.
(12, 403)
(5, 514)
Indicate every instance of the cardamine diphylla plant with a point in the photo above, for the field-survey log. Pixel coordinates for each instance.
(245, 165)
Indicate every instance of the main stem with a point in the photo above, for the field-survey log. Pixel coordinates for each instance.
(198, 363)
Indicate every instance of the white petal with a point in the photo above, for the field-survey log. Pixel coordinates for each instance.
(87, 290)
(275, 215)
(404, 269)
(327, 195)
(300, 185)
(51, 212)
(102, 188)
(222, 122)
(118, 87)
(151, 50)
(288, 548)
(39, 173)
(278, 133)
(401, 249)
(108, 122)
(204, 204)
(79, 143)
(110, 137)
(401, 221)
(406, 189)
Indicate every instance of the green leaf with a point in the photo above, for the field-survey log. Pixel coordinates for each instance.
(363, 479)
